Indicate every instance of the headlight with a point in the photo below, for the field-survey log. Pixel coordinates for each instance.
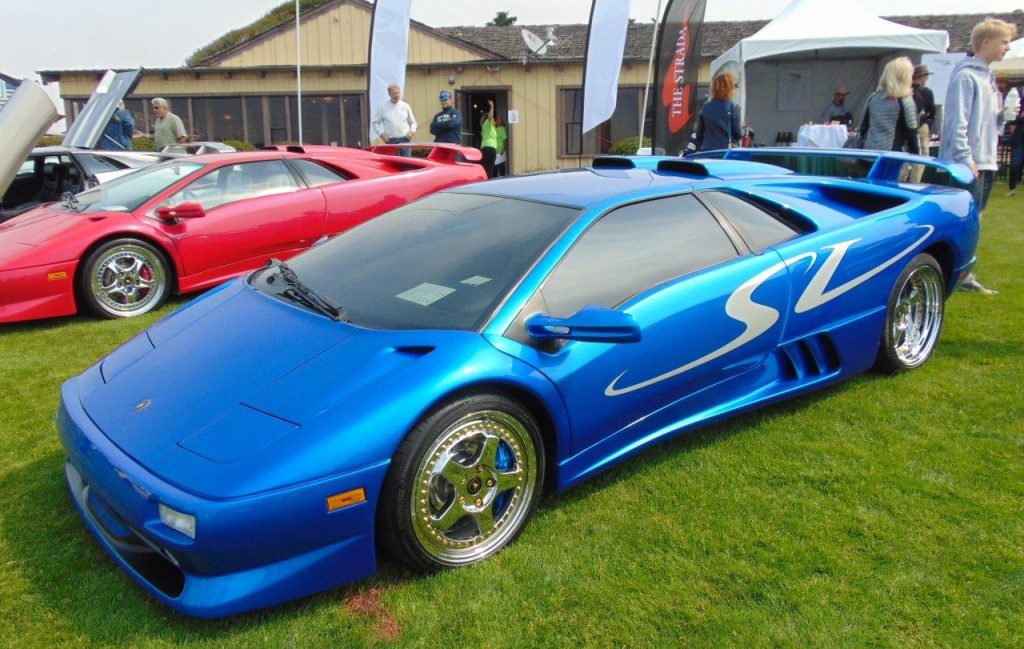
(184, 523)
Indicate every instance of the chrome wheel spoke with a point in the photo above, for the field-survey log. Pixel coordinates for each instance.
(451, 515)
(509, 480)
(454, 473)
(484, 520)
(489, 451)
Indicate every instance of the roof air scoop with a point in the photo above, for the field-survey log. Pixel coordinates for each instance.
(613, 162)
(685, 167)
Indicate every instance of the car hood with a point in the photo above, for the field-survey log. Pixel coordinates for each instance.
(228, 375)
(43, 235)
(241, 393)
(23, 120)
(87, 128)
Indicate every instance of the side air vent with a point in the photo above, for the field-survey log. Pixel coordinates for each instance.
(293, 148)
(613, 162)
(809, 358)
(414, 350)
(685, 167)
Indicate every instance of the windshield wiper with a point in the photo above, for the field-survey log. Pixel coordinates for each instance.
(71, 201)
(299, 292)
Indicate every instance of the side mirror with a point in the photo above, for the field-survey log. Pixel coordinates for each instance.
(591, 324)
(181, 211)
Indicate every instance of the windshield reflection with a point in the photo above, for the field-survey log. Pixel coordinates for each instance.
(127, 193)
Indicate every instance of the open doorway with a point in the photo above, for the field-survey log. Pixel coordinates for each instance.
(472, 103)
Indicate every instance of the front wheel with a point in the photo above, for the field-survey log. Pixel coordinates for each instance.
(463, 483)
(124, 278)
(914, 316)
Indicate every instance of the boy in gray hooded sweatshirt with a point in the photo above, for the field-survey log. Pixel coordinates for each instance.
(973, 115)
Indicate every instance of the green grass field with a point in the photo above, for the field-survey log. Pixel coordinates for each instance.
(883, 511)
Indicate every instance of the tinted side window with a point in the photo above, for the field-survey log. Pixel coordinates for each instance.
(758, 228)
(237, 182)
(316, 174)
(634, 248)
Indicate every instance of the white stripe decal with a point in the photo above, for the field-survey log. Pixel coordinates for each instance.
(759, 318)
(815, 294)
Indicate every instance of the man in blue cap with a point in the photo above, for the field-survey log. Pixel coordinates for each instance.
(447, 124)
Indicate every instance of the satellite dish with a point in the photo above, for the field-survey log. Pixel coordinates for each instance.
(536, 44)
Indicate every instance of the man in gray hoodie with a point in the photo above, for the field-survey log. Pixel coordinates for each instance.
(973, 116)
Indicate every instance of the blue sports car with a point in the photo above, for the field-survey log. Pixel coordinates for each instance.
(415, 383)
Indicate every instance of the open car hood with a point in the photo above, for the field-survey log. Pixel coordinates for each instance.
(85, 133)
(22, 121)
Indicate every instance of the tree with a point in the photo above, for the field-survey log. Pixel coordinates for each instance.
(502, 19)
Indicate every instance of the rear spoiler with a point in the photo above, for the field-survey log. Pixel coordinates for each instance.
(438, 152)
(880, 166)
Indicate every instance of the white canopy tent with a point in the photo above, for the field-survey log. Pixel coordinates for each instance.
(1013, 64)
(789, 69)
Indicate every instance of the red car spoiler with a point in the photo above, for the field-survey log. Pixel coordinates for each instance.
(447, 153)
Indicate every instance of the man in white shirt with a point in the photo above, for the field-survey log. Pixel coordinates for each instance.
(394, 121)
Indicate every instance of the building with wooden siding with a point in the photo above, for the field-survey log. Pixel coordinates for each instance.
(243, 86)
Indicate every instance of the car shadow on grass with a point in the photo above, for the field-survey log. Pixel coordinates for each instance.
(54, 557)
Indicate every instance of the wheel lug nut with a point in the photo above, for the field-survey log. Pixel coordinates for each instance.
(479, 502)
(490, 483)
(462, 499)
(479, 468)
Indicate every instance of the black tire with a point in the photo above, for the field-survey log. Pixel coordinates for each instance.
(913, 318)
(463, 483)
(124, 278)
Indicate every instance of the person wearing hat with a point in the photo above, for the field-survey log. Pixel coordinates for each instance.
(924, 100)
(836, 111)
(447, 124)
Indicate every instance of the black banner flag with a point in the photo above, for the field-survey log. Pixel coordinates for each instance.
(675, 78)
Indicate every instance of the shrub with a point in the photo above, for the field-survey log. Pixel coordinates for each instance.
(240, 145)
(50, 140)
(628, 146)
(143, 144)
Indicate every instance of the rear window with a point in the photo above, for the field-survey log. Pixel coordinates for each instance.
(759, 228)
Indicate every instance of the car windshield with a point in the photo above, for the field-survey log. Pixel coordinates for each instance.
(444, 262)
(127, 193)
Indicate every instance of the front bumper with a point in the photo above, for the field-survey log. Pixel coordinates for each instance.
(248, 552)
(38, 292)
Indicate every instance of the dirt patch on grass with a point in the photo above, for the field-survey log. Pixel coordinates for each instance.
(368, 603)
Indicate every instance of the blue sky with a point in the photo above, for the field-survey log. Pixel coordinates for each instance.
(95, 34)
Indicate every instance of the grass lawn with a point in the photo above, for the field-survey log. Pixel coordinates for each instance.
(883, 511)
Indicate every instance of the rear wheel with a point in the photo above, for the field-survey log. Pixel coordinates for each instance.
(914, 317)
(124, 278)
(463, 484)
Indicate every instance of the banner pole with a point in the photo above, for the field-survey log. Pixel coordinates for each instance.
(298, 70)
(650, 71)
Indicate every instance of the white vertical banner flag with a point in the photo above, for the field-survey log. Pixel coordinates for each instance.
(389, 48)
(606, 43)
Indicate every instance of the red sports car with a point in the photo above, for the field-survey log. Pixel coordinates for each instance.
(187, 224)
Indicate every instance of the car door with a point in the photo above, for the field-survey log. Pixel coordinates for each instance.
(254, 211)
(709, 317)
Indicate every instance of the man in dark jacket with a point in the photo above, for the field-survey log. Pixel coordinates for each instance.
(924, 100)
(447, 124)
(117, 136)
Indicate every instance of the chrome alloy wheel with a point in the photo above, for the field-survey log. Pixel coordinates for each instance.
(474, 488)
(917, 318)
(127, 280)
